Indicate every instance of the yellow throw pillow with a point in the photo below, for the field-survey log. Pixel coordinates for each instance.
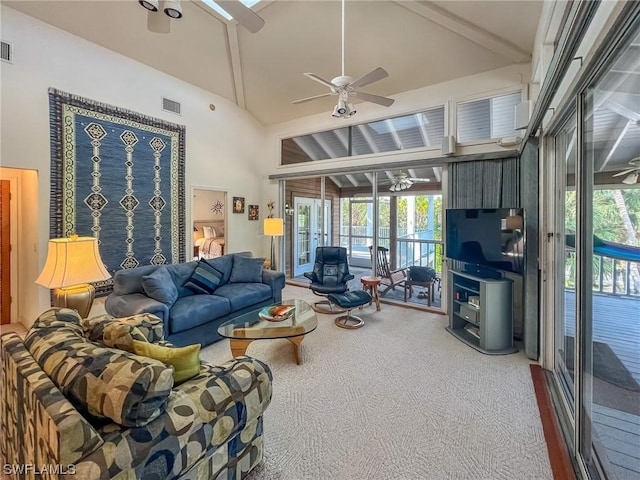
(184, 360)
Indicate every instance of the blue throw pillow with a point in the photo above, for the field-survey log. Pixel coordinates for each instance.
(246, 269)
(223, 264)
(204, 279)
(159, 286)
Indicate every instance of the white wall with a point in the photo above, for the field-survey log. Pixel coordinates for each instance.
(224, 148)
(203, 200)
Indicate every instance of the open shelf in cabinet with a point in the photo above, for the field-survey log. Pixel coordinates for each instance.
(488, 327)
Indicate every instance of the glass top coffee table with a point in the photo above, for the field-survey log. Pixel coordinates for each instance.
(256, 325)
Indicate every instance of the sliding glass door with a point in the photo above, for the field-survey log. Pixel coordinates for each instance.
(596, 161)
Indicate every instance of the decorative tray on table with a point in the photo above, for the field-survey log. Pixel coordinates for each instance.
(277, 313)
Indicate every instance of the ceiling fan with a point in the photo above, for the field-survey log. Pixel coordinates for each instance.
(345, 86)
(401, 181)
(632, 173)
(173, 10)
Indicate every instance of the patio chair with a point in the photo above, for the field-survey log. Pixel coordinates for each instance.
(388, 278)
(421, 277)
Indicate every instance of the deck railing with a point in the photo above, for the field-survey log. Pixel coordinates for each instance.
(409, 251)
(610, 275)
(420, 252)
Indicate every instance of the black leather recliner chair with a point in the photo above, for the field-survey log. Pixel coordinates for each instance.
(330, 275)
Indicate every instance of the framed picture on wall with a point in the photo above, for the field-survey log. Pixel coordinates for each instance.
(238, 204)
(253, 212)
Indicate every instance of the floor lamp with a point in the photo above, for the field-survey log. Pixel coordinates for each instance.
(275, 228)
(71, 264)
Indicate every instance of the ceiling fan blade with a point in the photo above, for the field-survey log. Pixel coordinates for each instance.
(373, 76)
(158, 22)
(321, 80)
(625, 172)
(414, 179)
(302, 100)
(242, 14)
(387, 102)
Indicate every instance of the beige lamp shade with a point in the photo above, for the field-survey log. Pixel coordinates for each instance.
(72, 261)
(274, 227)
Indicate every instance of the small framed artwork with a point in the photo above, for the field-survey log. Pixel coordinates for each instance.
(253, 212)
(238, 204)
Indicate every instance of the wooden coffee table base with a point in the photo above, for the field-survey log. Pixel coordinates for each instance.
(239, 347)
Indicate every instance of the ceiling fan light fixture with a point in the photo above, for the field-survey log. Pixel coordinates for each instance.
(351, 109)
(341, 107)
(631, 179)
(151, 5)
(173, 8)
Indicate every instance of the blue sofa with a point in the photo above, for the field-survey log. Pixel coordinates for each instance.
(191, 317)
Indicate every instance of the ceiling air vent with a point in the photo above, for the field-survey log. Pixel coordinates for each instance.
(170, 106)
(6, 52)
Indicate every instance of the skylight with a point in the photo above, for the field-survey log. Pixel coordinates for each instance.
(223, 12)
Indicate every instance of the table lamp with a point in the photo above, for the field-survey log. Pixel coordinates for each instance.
(275, 228)
(71, 264)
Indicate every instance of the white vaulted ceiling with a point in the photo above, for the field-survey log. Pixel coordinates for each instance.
(419, 43)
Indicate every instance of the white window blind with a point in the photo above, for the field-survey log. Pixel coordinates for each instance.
(489, 118)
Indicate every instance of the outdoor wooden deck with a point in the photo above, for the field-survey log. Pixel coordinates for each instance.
(616, 322)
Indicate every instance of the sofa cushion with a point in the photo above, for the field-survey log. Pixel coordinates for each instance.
(184, 360)
(105, 382)
(223, 264)
(129, 280)
(180, 272)
(241, 295)
(159, 286)
(194, 310)
(149, 324)
(246, 269)
(108, 331)
(205, 278)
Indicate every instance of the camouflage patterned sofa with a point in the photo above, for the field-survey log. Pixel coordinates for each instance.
(141, 425)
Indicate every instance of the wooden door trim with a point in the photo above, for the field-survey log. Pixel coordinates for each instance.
(5, 251)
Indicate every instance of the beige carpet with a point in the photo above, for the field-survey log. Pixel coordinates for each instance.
(399, 398)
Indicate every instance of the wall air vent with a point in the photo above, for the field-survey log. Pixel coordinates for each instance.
(170, 106)
(6, 52)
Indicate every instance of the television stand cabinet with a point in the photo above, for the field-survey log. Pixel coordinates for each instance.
(481, 312)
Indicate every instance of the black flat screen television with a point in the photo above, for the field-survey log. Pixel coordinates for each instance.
(488, 237)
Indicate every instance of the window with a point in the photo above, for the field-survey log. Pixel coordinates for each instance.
(488, 118)
(418, 130)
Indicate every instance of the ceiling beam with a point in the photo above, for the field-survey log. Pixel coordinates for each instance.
(343, 136)
(394, 134)
(369, 139)
(468, 30)
(234, 59)
(422, 123)
(325, 145)
(621, 110)
(412, 172)
(437, 172)
(613, 144)
(353, 180)
(336, 180)
(303, 143)
(369, 177)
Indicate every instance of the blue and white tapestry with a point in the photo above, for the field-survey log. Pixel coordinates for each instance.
(118, 176)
